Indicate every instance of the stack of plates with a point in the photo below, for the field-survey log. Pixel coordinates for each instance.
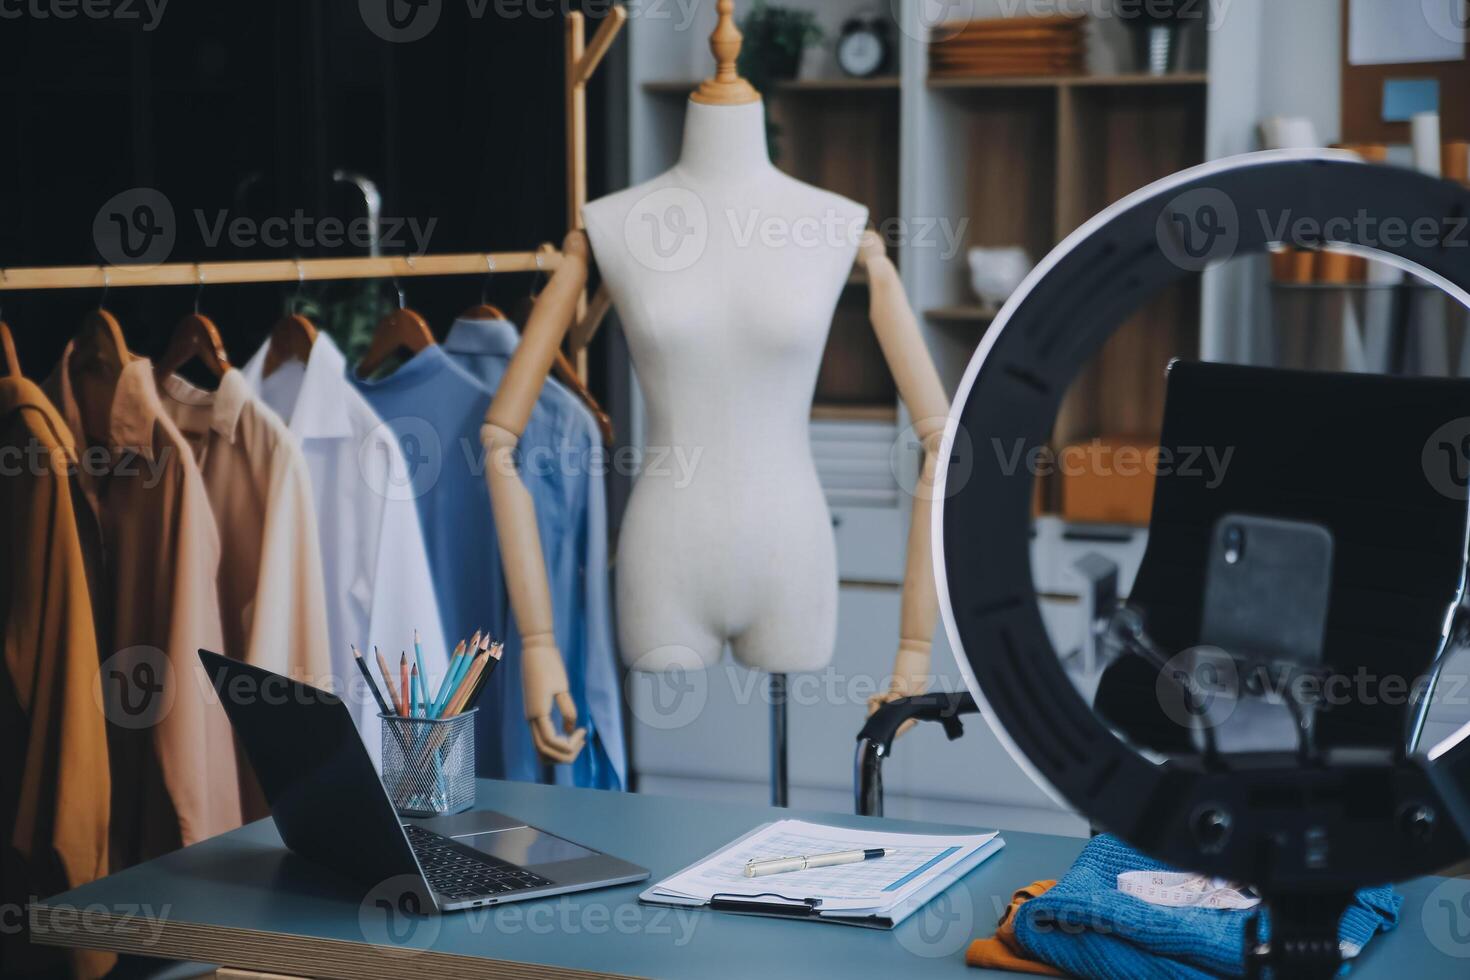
(1009, 46)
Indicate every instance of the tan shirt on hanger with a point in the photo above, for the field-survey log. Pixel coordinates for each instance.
(272, 600)
(55, 791)
(153, 555)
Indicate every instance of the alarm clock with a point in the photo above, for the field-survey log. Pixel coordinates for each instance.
(865, 45)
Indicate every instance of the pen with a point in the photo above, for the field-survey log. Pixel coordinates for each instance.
(775, 866)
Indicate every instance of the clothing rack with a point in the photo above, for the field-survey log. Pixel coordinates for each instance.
(580, 62)
(546, 258)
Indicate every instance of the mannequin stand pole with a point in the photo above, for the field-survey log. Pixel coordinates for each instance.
(776, 687)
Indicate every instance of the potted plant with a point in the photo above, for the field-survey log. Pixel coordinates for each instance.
(775, 39)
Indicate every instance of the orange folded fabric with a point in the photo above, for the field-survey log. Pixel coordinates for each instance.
(1002, 951)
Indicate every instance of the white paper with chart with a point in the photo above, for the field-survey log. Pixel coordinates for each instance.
(917, 867)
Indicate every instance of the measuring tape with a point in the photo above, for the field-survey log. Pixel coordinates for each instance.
(1180, 889)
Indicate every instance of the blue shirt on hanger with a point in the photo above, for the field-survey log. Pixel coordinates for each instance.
(561, 461)
(435, 409)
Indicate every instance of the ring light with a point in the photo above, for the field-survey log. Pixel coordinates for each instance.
(1375, 822)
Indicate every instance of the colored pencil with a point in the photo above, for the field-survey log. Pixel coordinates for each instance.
(454, 662)
(367, 676)
(432, 698)
(496, 652)
(388, 682)
(478, 642)
(413, 704)
(418, 661)
(451, 683)
(407, 707)
(466, 684)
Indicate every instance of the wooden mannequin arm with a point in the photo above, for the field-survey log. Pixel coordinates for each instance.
(543, 674)
(923, 395)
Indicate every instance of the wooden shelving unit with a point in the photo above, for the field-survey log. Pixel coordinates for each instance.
(1071, 81)
(1041, 156)
(1021, 161)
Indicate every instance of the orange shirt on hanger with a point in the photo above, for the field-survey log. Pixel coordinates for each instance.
(55, 789)
(154, 557)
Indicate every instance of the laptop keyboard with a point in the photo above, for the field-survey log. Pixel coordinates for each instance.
(458, 875)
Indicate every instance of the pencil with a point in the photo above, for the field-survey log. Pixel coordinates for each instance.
(466, 684)
(418, 661)
(496, 652)
(388, 682)
(367, 675)
(413, 704)
(451, 683)
(407, 707)
(448, 675)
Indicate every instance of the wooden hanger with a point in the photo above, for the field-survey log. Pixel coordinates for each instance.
(100, 340)
(562, 366)
(484, 310)
(194, 336)
(99, 354)
(291, 340)
(402, 329)
(7, 349)
(566, 372)
(293, 335)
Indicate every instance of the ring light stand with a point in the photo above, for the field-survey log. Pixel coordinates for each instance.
(1307, 837)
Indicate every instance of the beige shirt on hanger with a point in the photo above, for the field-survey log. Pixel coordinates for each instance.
(272, 601)
(153, 559)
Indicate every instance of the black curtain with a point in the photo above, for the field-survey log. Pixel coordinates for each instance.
(212, 132)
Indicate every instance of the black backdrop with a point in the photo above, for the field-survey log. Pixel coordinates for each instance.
(246, 110)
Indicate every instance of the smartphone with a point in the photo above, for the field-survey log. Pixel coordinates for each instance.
(1268, 584)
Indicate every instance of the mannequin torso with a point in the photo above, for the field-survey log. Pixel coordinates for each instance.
(726, 273)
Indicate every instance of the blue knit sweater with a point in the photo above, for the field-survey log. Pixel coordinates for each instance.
(1086, 927)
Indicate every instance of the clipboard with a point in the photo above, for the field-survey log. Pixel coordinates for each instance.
(781, 904)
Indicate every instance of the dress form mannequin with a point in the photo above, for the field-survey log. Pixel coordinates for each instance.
(725, 273)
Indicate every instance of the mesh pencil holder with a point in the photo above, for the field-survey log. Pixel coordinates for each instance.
(429, 764)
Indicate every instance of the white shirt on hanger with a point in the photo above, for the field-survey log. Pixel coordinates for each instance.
(373, 559)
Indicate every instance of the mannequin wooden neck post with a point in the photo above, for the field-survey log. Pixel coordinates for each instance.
(726, 87)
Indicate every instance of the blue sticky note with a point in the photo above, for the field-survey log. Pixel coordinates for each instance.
(1405, 97)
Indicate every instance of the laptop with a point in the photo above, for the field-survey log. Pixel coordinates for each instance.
(331, 808)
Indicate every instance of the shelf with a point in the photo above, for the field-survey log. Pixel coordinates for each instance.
(854, 413)
(1071, 81)
(883, 83)
(961, 313)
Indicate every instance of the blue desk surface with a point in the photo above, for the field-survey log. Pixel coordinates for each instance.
(242, 900)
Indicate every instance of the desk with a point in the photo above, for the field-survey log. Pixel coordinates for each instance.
(241, 900)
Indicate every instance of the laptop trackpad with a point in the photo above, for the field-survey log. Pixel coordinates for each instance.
(469, 822)
(526, 846)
